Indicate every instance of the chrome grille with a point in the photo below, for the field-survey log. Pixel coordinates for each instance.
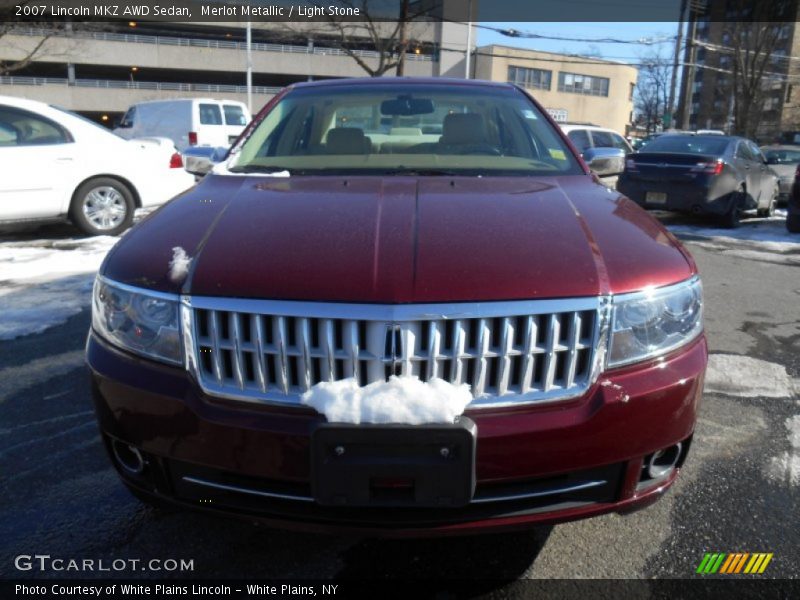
(508, 352)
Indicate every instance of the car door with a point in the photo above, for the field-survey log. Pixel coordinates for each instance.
(36, 154)
(766, 178)
(748, 169)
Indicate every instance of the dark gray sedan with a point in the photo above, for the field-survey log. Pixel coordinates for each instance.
(715, 175)
(783, 160)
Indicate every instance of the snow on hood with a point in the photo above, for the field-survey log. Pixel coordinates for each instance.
(405, 400)
(179, 265)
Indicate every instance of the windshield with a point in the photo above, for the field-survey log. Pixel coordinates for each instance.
(404, 128)
(689, 144)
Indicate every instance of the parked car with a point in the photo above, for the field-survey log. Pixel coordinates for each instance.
(604, 150)
(793, 208)
(59, 166)
(187, 122)
(702, 174)
(340, 328)
(783, 160)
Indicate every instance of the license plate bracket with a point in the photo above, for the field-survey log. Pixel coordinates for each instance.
(656, 198)
(369, 465)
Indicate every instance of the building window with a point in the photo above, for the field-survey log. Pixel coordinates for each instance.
(633, 89)
(530, 78)
(772, 103)
(583, 84)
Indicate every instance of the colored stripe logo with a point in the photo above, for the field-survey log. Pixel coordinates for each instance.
(734, 563)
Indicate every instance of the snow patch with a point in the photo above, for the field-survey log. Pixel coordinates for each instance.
(747, 377)
(45, 282)
(179, 265)
(786, 466)
(765, 234)
(403, 399)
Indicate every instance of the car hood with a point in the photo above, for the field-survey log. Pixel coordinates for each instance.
(400, 240)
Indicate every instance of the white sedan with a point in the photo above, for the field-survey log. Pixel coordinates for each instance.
(56, 165)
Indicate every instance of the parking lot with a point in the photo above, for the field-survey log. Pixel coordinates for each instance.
(738, 492)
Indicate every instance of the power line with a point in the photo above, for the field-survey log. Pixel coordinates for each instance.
(516, 33)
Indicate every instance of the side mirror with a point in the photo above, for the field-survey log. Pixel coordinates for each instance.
(605, 161)
(199, 160)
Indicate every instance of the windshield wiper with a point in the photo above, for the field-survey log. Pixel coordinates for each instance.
(423, 172)
(262, 169)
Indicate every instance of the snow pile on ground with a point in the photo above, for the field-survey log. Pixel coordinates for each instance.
(179, 265)
(45, 282)
(756, 239)
(786, 467)
(400, 400)
(747, 377)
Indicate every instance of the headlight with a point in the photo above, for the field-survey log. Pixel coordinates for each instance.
(141, 321)
(647, 324)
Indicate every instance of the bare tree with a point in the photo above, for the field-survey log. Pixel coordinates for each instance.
(23, 51)
(378, 29)
(753, 63)
(652, 90)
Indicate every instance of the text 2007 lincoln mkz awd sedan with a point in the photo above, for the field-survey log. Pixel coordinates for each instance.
(402, 307)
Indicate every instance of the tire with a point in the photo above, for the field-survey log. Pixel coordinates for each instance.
(102, 206)
(770, 210)
(793, 222)
(732, 218)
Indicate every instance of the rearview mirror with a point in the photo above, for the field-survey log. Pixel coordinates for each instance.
(199, 160)
(405, 106)
(605, 161)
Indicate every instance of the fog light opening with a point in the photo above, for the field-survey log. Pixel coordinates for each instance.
(128, 457)
(663, 461)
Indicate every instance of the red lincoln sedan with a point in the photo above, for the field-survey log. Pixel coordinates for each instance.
(399, 307)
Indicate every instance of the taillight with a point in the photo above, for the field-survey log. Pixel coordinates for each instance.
(709, 168)
(175, 161)
(193, 138)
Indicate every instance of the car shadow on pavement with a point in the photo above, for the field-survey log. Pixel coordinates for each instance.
(494, 559)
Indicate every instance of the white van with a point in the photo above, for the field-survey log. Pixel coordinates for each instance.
(187, 122)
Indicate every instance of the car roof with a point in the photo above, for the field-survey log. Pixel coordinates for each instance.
(574, 126)
(794, 147)
(378, 81)
(24, 103)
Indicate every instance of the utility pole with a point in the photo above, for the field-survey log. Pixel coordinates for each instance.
(467, 73)
(676, 59)
(403, 35)
(694, 10)
(249, 65)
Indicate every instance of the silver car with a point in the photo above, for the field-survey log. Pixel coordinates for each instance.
(783, 160)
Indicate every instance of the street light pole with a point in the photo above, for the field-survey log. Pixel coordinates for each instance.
(469, 40)
(249, 65)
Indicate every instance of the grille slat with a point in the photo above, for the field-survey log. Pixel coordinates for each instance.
(238, 356)
(261, 375)
(280, 341)
(268, 355)
(481, 367)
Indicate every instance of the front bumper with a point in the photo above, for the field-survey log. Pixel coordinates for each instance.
(534, 464)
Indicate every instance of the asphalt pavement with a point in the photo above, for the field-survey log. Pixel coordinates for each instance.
(739, 490)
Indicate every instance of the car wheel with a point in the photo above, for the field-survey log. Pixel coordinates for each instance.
(732, 218)
(102, 206)
(793, 223)
(770, 209)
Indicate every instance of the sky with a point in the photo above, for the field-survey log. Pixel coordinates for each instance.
(630, 53)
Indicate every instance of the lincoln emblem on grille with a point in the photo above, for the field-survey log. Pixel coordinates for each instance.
(393, 348)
